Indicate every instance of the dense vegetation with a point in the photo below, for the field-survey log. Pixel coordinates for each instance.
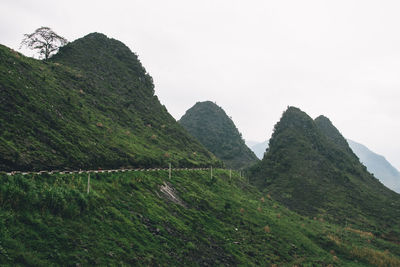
(127, 219)
(216, 131)
(310, 168)
(92, 105)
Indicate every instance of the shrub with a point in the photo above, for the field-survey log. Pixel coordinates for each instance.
(375, 257)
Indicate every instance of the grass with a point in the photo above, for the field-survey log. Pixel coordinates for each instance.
(127, 220)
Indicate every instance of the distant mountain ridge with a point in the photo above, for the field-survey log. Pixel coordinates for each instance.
(92, 105)
(310, 168)
(377, 165)
(259, 148)
(209, 123)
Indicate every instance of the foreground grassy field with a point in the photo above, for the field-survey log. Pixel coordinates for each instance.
(144, 218)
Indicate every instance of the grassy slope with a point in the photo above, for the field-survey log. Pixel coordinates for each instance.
(49, 219)
(104, 114)
(310, 168)
(216, 131)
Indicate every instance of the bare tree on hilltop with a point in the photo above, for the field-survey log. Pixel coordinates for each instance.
(45, 40)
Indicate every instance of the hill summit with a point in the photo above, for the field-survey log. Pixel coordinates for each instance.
(310, 168)
(92, 105)
(216, 131)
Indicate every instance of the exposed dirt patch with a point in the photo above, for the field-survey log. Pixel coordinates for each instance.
(170, 194)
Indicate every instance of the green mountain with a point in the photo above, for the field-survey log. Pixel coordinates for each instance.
(92, 105)
(310, 168)
(147, 219)
(216, 131)
(377, 165)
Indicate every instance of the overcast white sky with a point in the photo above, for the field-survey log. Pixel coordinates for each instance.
(339, 58)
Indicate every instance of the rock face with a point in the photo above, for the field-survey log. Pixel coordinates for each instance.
(216, 131)
(91, 105)
(310, 168)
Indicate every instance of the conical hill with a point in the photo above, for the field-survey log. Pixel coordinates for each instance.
(216, 131)
(310, 168)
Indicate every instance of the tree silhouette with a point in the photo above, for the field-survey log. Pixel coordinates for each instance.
(45, 40)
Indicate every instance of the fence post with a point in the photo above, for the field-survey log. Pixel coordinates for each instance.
(88, 183)
(230, 174)
(169, 171)
(211, 172)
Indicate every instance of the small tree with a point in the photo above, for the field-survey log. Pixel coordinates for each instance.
(45, 40)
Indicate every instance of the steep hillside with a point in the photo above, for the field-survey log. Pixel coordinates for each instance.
(216, 131)
(90, 106)
(130, 219)
(310, 168)
(377, 165)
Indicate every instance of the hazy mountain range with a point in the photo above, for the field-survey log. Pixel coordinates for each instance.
(377, 165)
(258, 148)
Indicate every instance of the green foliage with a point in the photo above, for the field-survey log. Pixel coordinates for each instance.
(127, 220)
(92, 105)
(216, 131)
(310, 168)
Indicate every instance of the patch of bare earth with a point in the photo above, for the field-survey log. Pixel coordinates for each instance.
(170, 194)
